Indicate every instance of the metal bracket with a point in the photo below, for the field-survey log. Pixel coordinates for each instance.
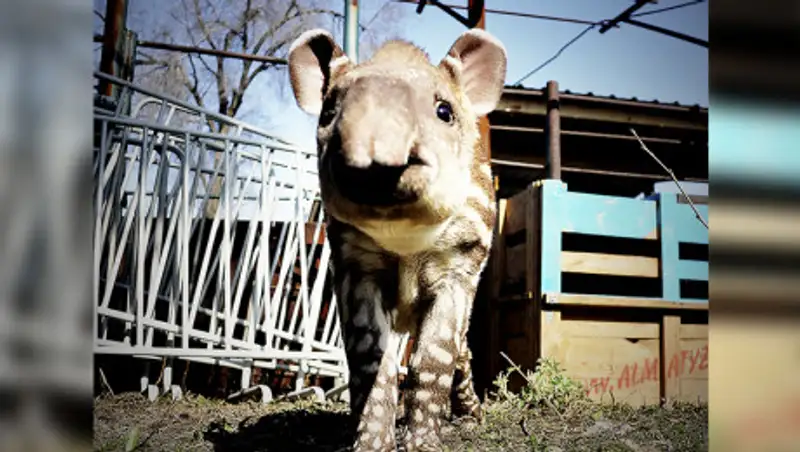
(472, 19)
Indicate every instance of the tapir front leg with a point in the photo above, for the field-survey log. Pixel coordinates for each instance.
(432, 368)
(371, 347)
(464, 402)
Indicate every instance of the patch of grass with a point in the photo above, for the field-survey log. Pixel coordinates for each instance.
(551, 412)
(546, 388)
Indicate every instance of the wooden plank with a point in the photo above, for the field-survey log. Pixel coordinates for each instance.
(613, 216)
(695, 270)
(619, 330)
(670, 284)
(497, 255)
(609, 264)
(552, 197)
(693, 358)
(533, 233)
(693, 389)
(610, 366)
(515, 209)
(688, 229)
(496, 277)
(692, 331)
(621, 302)
(670, 350)
(516, 259)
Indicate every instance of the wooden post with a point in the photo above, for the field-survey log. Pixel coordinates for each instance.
(533, 272)
(670, 349)
(113, 38)
(477, 14)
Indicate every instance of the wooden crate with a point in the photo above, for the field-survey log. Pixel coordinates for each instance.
(637, 347)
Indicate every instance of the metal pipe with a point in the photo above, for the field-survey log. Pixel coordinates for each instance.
(579, 133)
(667, 32)
(553, 132)
(351, 13)
(598, 172)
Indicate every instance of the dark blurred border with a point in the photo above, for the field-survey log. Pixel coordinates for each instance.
(45, 225)
(754, 48)
(754, 166)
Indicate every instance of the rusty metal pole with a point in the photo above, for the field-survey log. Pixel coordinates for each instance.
(553, 132)
(113, 38)
(351, 14)
(477, 13)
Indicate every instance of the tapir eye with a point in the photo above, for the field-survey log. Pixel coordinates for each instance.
(444, 111)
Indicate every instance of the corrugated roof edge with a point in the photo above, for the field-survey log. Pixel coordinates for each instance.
(519, 89)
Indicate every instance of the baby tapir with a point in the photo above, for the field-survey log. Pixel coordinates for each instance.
(407, 186)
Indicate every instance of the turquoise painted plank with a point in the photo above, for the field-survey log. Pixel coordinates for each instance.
(688, 229)
(696, 270)
(553, 194)
(668, 209)
(609, 215)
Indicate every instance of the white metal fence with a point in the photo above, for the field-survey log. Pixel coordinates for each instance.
(241, 285)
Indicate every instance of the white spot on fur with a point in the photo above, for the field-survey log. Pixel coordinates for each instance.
(364, 344)
(426, 377)
(445, 332)
(445, 380)
(377, 443)
(423, 395)
(486, 170)
(372, 367)
(434, 408)
(361, 319)
(440, 354)
(377, 410)
(378, 393)
(419, 416)
(374, 427)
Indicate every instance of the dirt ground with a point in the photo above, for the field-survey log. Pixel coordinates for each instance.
(128, 422)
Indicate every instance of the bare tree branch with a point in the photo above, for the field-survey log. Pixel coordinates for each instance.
(258, 27)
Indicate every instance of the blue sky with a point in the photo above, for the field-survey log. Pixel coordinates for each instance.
(626, 61)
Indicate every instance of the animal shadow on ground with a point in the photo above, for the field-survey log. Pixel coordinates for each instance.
(294, 430)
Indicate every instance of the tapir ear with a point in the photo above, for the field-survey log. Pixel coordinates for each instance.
(313, 58)
(477, 61)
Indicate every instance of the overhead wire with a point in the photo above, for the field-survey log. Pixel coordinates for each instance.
(667, 8)
(593, 25)
(558, 53)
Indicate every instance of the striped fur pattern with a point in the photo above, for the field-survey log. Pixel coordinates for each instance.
(407, 186)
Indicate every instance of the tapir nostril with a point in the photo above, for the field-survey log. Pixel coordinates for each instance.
(374, 185)
(414, 160)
